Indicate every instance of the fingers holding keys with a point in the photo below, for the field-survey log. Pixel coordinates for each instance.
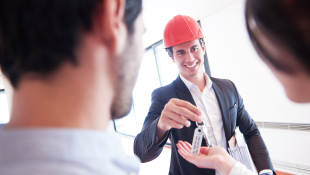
(170, 120)
(177, 114)
(187, 110)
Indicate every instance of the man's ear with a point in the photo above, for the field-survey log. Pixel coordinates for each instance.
(203, 47)
(112, 27)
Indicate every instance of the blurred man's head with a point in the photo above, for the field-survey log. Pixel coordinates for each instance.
(184, 43)
(129, 62)
(38, 37)
(280, 32)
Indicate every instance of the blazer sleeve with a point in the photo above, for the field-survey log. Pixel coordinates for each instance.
(253, 137)
(145, 143)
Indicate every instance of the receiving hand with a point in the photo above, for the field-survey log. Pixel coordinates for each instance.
(209, 157)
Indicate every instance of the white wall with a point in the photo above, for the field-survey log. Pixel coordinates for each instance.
(288, 146)
(5, 99)
(232, 56)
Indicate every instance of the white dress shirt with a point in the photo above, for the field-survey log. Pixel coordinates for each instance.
(211, 113)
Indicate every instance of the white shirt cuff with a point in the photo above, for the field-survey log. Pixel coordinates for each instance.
(240, 169)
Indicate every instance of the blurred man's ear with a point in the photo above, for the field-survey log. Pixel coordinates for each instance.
(171, 56)
(111, 25)
(203, 46)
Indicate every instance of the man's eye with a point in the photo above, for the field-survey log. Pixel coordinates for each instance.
(180, 53)
(194, 49)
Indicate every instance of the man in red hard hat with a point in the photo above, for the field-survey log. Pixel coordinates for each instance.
(195, 97)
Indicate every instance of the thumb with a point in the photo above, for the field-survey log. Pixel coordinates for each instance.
(205, 150)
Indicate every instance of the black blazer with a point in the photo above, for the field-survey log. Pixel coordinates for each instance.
(233, 114)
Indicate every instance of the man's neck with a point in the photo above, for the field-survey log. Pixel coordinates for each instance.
(198, 81)
(72, 97)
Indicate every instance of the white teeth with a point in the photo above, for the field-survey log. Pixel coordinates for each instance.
(191, 65)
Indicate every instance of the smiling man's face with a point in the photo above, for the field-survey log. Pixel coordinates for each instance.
(189, 58)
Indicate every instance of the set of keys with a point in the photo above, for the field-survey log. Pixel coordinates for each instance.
(200, 132)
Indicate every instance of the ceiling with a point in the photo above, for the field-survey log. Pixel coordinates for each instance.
(156, 13)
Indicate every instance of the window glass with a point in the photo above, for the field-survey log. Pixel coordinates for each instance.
(167, 68)
(4, 109)
(148, 81)
(127, 125)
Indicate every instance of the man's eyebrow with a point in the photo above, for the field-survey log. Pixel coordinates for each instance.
(181, 50)
(194, 46)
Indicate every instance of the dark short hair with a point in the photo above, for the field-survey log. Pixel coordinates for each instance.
(170, 52)
(39, 35)
(288, 21)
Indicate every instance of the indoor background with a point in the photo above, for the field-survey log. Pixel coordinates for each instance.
(284, 125)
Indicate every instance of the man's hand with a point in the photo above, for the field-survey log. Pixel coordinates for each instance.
(176, 115)
(209, 157)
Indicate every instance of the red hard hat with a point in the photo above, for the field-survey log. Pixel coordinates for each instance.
(181, 29)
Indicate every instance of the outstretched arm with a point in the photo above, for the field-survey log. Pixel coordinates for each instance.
(161, 118)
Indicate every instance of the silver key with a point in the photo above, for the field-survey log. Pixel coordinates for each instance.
(199, 133)
(197, 139)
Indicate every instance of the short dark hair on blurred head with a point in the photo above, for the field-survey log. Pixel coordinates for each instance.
(39, 35)
(288, 21)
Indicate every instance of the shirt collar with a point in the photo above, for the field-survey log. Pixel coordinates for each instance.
(189, 84)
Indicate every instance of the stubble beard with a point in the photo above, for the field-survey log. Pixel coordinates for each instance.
(127, 70)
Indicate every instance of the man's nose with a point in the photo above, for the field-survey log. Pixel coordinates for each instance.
(190, 57)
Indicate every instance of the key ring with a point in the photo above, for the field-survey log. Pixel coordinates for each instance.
(199, 124)
(205, 135)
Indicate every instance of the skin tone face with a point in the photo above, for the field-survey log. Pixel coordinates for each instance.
(127, 70)
(296, 83)
(188, 57)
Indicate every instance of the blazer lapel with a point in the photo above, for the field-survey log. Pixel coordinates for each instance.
(184, 94)
(224, 109)
(183, 91)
